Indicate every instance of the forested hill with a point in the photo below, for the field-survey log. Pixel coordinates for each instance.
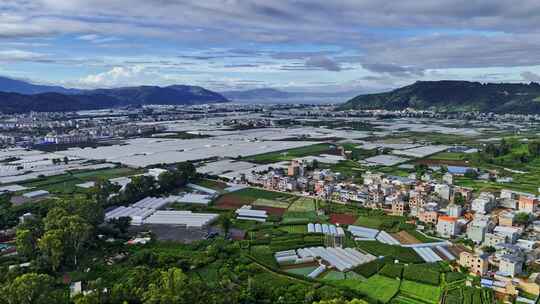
(455, 96)
(106, 98)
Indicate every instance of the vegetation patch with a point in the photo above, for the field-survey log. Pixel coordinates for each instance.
(286, 155)
(422, 274)
(392, 271)
(377, 288)
(303, 204)
(424, 292)
(403, 254)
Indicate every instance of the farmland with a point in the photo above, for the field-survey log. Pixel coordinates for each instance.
(378, 288)
(290, 154)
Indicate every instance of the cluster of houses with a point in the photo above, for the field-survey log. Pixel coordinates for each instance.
(500, 226)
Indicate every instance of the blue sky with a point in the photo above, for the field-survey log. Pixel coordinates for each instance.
(339, 46)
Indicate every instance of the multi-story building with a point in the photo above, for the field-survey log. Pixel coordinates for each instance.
(447, 226)
(506, 219)
(454, 210)
(493, 239)
(428, 216)
(510, 265)
(448, 178)
(477, 263)
(484, 203)
(398, 208)
(443, 191)
(527, 204)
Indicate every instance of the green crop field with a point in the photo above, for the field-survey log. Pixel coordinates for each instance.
(424, 292)
(378, 288)
(271, 203)
(334, 275)
(212, 184)
(448, 156)
(291, 217)
(403, 254)
(66, 183)
(269, 195)
(303, 204)
(294, 228)
(274, 157)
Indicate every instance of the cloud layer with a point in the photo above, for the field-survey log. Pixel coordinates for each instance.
(348, 44)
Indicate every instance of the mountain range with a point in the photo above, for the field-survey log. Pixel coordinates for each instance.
(454, 96)
(18, 96)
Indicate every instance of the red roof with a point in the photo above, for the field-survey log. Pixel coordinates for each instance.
(447, 218)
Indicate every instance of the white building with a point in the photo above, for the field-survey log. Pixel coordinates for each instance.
(484, 203)
(477, 230)
(444, 191)
(510, 266)
(447, 226)
(454, 210)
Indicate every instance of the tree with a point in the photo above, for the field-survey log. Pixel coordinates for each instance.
(103, 189)
(26, 243)
(32, 288)
(167, 181)
(471, 173)
(55, 218)
(459, 199)
(77, 232)
(225, 222)
(121, 223)
(489, 249)
(521, 218)
(421, 169)
(169, 288)
(52, 246)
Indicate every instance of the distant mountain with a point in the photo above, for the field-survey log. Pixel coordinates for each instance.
(53, 102)
(175, 95)
(270, 95)
(23, 87)
(455, 96)
(106, 98)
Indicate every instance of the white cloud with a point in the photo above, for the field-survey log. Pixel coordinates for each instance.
(19, 55)
(117, 76)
